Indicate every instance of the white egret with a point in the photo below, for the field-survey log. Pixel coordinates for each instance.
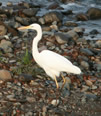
(51, 62)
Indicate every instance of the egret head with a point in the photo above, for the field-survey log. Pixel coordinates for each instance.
(34, 26)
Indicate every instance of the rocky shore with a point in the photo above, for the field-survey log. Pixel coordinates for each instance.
(25, 89)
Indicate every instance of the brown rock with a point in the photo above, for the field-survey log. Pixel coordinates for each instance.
(94, 13)
(3, 30)
(81, 17)
(5, 75)
(52, 16)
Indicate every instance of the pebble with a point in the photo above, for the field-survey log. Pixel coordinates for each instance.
(5, 75)
(86, 51)
(55, 102)
(62, 38)
(94, 87)
(73, 35)
(6, 46)
(88, 82)
(84, 64)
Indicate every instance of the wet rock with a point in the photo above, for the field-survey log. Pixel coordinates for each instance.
(62, 38)
(6, 46)
(81, 17)
(25, 77)
(94, 31)
(94, 13)
(30, 12)
(67, 1)
(73, 35)
(5, 75)
(52, 16)
(68, 12)
(85, 64)
(53, 5)
(86, 51)
(70, 24)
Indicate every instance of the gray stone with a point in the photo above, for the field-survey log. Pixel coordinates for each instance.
(30, 12)
(73, 35)
(85, 64)
(6, 46)
(62, 38)
(86, 51)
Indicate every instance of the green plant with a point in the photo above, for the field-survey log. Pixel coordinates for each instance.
(26, 59)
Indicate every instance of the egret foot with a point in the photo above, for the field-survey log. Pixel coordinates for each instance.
(57, 85)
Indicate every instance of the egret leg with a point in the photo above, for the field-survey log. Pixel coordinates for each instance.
(64, 80)
(57, 85)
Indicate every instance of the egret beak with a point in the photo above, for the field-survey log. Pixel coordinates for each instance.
(24, 27)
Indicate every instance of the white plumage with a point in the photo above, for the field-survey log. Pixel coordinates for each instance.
(51, 62)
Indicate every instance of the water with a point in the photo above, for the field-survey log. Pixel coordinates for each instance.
(81, 6)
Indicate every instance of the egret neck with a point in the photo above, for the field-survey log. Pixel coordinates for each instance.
(35, 51)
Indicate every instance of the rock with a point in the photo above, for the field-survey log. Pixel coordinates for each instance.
(6, 46)
(3, 30)
(23, 21)
(0, 3)
(13, 31)
(68, 12)
(84, 88)
(41, 20)
(53, 5)
(85, 64)
(86, 51)
(98, 66)
(25, 77)
(67, 1)
(5, 75)
(98, 43)
(94, 31)
(62, 38)
(81, 17)
(94, 87)
(79, 30)
(70, 24)
(88, 82)
(94, 13)
(46, 28)
(73, 35)
(90, 96)
(9, 4)
(52, 16)
(30, 12)
(55, 102)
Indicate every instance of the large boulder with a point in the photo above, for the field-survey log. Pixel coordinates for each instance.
(94, 13)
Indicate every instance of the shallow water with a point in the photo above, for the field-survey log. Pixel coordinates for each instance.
(78, 7)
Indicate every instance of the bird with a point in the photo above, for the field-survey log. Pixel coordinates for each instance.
(52, 63)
